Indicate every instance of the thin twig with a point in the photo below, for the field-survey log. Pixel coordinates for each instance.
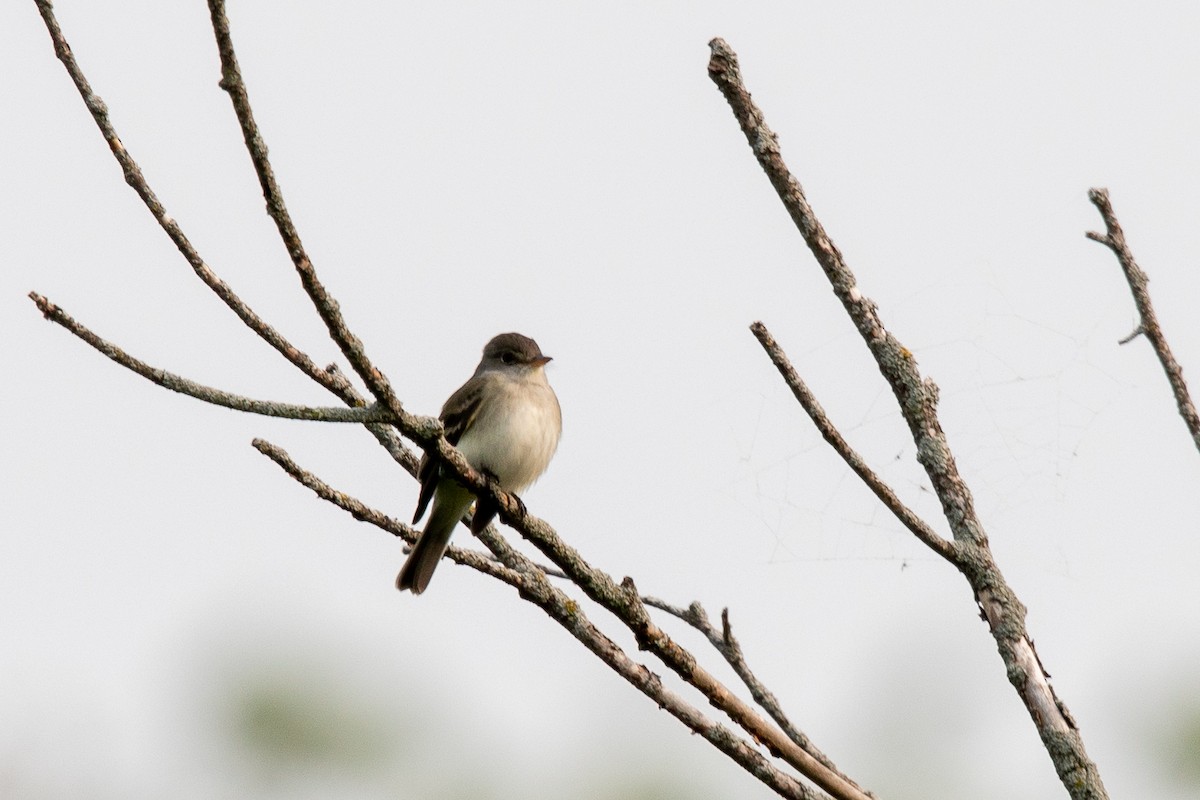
(332, 380)
(535, 588)
(364, 513)
(217, 397)
(1139, 282)
(326, 305)
(136, 180)
(918, 400)
(833, 436)
(423, 431)
(725, 644)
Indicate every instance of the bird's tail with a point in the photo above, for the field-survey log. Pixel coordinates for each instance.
(448, 508)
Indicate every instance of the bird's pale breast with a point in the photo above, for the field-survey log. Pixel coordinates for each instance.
(517, 431)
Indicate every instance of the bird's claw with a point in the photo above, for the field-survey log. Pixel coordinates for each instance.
(520, 504)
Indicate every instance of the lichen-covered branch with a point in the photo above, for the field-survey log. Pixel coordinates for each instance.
(534, 587)
(329, 378)
(918, 399)
(1139, 285)
(217, 397)
(833, 436)
(327, 307)
(725, 643)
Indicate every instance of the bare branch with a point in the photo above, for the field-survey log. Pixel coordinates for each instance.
(832, 435)
(217, 397)
(534, 587)
(625, 602)
(326, 305)
(136, 180)
(731, 651)
(1139, 282)
(331, 379)
(918, 400)
(364, 513)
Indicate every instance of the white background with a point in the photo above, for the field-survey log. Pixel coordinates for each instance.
(570, 172)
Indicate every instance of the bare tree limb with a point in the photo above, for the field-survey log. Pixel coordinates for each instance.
(364, 513)
(136, 180)
(918, 400)
(331, 379)
(731, 651)
(514, 577)
(533, 587)
(217, 397)
(326, 305)
(1114, 239)
(626, 604)
(833, 436)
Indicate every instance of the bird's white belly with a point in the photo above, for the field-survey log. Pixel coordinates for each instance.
(514, 440)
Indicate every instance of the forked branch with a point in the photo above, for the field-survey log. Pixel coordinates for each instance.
(217, 397)
(1139, 285)
(917, 399)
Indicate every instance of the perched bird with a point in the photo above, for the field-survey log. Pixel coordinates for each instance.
(506, 421)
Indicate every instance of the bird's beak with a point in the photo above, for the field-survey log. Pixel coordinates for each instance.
(542, 361)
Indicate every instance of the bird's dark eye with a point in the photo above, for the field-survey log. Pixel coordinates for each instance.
(508, 357)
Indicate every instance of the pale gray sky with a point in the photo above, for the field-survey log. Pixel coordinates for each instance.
(570, 172)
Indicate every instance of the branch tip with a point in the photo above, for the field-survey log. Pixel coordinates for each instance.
(1148, 319)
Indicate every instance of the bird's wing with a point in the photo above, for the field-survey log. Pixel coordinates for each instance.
(457, 415)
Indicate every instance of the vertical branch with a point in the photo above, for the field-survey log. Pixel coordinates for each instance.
(918, 399)
(1139, 282)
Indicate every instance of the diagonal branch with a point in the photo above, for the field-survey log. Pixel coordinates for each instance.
(217, 397)
(534, 587)
(330, 379)
(918, 398)
(326, 305)
(1138, 281)
(625, 603)
(731, 651)
(832, 435)
(364, 513)
(136, 180)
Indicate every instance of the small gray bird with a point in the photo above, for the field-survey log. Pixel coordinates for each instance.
(506, 421)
